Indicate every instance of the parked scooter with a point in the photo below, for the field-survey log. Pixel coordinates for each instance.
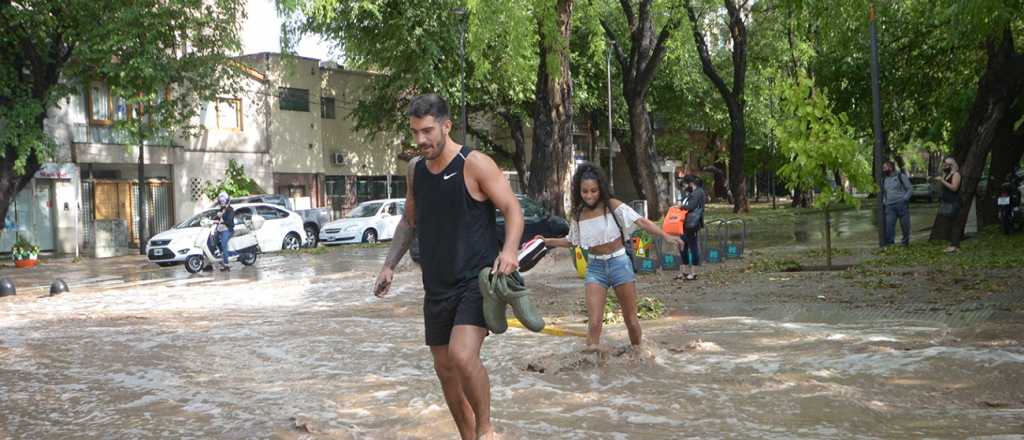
(1008, 203)
(243, 242)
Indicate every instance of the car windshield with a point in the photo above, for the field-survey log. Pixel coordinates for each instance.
(194, 221)
(365, 210)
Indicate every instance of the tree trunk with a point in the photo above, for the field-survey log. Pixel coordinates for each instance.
(828, 237)
(1007, 150)
(733, 97)
(998, 86)
(11, 183)
(737, 147)
(633, 164)
(551, 164)
(653, 187)
(515, 124)
(720, 188)
(142, 200)
(646, 50)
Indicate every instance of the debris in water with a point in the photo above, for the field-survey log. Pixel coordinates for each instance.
(300, 423)
(535, 368)
(698, 345)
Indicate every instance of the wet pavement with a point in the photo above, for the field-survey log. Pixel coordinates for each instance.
(294, 347)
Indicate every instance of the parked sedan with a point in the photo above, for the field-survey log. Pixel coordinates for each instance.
(922, 188)
(536, 219)
(369, 222)
(282, 229)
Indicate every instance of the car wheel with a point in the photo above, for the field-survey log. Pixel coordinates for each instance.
(194, 264)
(247, 258)
(312, 237)
(291, 242)
(370, 236)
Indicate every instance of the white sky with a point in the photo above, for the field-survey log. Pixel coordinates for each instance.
(262, 33)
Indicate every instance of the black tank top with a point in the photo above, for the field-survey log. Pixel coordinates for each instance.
(948, 195)
(456, 233)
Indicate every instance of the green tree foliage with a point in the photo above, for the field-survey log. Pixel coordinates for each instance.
(817, 144)
(235, 183)
(142, 49)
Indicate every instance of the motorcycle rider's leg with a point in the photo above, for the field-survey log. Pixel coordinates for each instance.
(224, 252)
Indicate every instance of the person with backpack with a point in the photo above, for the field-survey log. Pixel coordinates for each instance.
(693, 204)
(897, 202)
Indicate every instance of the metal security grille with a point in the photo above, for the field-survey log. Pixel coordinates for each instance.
(87, 217)
(160, 203)
(157, 213)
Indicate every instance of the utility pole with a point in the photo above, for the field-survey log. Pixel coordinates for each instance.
(876, 99)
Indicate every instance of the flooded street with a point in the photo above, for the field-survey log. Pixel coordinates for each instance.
(289, 353)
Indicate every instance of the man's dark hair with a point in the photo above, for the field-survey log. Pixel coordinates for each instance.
(429, 104)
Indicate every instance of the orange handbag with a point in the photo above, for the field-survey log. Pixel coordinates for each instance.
(675, 221)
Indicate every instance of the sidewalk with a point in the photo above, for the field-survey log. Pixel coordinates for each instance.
(86, 271)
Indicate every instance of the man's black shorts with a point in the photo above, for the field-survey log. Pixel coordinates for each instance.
(440, 316)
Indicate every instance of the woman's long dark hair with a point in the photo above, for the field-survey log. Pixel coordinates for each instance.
(589, 171)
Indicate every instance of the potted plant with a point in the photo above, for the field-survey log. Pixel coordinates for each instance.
(24, 253)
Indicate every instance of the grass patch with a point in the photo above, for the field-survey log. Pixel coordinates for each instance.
(990, 249)
(762, 213)
(647, 308)
(769, 265)
(819, 254)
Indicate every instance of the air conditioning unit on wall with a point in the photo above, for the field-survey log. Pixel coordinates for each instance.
(338, 158)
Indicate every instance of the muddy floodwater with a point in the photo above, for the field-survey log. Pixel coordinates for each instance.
(295, 348)
(306, 353)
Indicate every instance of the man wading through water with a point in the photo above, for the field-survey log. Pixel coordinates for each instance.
(449, 206)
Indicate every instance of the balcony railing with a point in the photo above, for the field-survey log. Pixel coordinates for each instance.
(99, 134)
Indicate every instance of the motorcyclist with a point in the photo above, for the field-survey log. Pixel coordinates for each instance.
(225, 220)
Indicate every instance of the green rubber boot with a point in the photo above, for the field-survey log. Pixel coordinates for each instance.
(512, 289)
(494, 307)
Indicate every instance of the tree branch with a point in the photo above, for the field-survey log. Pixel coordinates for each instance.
(620, 56)
(738, 31)
(647, 75)
(627, 9)
(702, 50)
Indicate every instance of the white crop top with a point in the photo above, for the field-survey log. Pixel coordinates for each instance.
(600, 230)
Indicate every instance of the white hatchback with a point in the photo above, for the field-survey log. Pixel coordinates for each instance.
(369, 222)
(282, 229)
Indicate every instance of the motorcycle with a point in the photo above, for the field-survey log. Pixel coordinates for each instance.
(243, 242)
(1008, 202)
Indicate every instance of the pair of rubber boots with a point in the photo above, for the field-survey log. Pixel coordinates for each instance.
(500, 291)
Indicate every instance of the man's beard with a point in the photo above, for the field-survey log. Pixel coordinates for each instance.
(438, 149)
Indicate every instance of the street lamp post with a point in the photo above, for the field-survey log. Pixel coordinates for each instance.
(611, 154)
(462, 14)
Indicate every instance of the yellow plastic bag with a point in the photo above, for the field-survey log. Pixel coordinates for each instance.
(580, 261)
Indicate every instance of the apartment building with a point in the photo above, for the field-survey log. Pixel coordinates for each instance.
(288, 127)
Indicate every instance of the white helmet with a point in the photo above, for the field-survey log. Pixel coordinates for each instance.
(222, 198)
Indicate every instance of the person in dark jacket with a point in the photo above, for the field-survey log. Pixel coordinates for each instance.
(225, 228)
(693, 203)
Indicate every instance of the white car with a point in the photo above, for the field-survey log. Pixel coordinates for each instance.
(369, 222)
(282, 229)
